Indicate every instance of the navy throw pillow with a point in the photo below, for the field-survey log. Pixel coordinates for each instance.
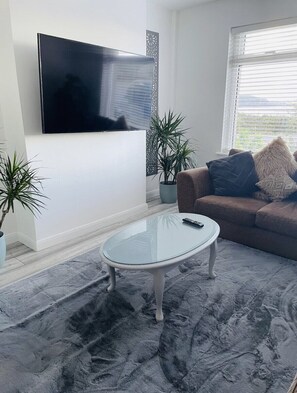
(294, 177)
(234, 175)
(293, 196)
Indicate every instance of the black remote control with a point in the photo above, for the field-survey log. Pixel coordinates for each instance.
(192, 222)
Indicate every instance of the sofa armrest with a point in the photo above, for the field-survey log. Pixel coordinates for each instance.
(192, 184)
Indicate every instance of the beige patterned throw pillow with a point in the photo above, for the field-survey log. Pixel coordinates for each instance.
(272, 158)
(276, 155)
(278, 186)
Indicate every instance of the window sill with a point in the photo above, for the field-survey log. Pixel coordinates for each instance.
(221, 154)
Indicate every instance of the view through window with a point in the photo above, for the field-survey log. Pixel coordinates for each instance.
(261, 94)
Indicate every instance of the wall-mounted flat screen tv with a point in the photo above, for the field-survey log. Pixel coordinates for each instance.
(88, 88)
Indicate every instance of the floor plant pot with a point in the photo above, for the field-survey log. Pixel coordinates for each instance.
(2, 248)
(168, 192)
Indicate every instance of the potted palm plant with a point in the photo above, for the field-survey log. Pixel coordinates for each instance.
(174, 152)
(18, 182)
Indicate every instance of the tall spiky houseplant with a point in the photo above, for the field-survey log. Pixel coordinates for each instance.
(19, 181)
(174, 151)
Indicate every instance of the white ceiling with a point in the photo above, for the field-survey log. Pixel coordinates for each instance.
(180, 4)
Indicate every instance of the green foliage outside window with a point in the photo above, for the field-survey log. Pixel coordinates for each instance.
(264, 129)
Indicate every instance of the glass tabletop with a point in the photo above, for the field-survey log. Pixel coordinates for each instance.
(157, 239)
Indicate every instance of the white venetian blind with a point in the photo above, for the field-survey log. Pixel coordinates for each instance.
(261, 94)
(126, 89)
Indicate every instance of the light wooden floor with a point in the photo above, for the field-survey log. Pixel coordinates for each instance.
(22, 262)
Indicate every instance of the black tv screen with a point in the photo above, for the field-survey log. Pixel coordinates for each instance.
(87, 87)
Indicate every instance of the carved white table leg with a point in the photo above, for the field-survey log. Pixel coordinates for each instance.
(159, 281)
(212, 258)
(111, 271)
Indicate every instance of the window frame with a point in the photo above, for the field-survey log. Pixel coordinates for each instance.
(233, 77)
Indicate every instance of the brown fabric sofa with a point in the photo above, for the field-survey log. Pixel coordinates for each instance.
(268, 226)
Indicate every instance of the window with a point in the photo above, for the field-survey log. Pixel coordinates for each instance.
(126, 90)
(261, 91)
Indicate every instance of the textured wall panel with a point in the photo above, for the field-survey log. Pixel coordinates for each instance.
(152, 49)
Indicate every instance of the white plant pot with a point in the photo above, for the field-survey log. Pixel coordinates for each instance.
(2, 248)
(168, 192)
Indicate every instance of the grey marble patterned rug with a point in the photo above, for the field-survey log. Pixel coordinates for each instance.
(60, 331)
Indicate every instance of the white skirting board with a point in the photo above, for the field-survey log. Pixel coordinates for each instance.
(11, 238)
(153, 194)
(80, 231)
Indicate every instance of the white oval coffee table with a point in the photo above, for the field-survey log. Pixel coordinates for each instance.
(157, 244)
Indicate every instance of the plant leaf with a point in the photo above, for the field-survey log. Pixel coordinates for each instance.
(19, 181)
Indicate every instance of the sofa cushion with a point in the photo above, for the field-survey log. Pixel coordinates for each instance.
(279, 217)
(278, 186)
(238, 210)
(233, 175)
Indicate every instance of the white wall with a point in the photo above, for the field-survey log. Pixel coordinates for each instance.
(11, 122)
(90, 176)
(91, 188)
(9, 225)
(162, 21)
(202, 50)
(113, 180)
